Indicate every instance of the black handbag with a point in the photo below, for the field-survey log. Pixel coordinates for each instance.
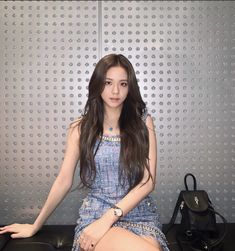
(198, 228)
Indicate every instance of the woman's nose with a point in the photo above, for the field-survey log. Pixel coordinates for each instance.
(115, 89)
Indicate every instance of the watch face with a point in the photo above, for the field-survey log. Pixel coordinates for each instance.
(118, 212)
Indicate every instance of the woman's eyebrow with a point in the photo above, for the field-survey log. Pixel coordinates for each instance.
(119, 80)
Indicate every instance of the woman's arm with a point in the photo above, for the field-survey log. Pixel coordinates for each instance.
(60, 188)
(139, 192)
(64, 180)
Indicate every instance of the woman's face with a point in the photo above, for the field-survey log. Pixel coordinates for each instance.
(115, 88)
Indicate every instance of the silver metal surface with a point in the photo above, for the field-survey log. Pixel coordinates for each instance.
(183, 53)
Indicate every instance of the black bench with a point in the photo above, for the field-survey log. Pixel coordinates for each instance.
(60, 237)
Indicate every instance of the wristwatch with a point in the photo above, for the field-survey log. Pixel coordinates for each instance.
(117, 211)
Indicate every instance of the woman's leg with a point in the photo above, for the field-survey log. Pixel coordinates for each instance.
(119, 239)
(152, 241)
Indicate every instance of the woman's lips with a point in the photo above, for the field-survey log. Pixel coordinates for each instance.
(114, 99)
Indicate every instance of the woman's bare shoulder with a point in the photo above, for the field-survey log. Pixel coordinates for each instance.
(76, 123)
(149, 123)
(74, 129)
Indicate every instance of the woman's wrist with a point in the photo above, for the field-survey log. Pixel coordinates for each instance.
(110, 217)
(36, 227)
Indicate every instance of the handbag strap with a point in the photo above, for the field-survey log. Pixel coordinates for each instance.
(194, 181)
(221, 238)
(174, 215)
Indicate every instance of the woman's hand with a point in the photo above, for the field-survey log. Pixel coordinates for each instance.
(91, 235)
(19, 230)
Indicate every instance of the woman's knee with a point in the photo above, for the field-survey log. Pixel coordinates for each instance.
(119, 239)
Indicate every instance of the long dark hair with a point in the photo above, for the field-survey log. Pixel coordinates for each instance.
(133, 131)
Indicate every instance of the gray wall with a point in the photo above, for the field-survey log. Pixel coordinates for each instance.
(183, 53)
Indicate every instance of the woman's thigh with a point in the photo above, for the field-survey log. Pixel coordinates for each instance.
(119, 239)
(152, 241)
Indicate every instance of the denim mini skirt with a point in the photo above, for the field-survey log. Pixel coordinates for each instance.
(106, 190)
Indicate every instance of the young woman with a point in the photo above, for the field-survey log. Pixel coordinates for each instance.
(116, 144)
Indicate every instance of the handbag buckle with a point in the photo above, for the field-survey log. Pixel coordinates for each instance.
(182, 205)
(196, 200)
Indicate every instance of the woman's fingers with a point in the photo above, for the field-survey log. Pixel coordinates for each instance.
(86, 243)
(17, 235)
(91, 246)
(18, 230)
(3, 231)
(7, 229)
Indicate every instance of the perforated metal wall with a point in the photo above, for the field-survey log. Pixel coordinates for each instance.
(183, 54)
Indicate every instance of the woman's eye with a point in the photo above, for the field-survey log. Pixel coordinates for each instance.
(124, 84)
(107, 82)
